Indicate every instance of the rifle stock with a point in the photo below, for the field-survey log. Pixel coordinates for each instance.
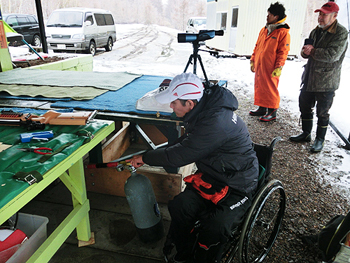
(32, 122)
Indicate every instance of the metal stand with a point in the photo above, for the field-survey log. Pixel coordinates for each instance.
(194, 57)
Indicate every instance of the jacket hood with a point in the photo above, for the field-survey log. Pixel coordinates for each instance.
(279, 24)
(214, 98)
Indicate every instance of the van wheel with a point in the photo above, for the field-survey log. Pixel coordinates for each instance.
(109, 45)
(36, 41)
(92, 48)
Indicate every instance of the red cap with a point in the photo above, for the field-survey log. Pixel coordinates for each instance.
(329, 7)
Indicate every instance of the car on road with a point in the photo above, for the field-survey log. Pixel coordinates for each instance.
(80, 29)
(26, 25)
(194, 24)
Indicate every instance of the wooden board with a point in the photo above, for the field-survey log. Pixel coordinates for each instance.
(154, 134)
(116, 146)
(110, 181)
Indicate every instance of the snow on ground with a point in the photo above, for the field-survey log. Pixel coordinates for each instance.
(153, 50)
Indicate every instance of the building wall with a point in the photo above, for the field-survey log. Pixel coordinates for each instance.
(251, 18)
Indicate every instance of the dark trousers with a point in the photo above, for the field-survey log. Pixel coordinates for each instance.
(216, 221)
(307, 102)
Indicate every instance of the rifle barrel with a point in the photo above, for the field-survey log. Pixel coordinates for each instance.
(10, 122)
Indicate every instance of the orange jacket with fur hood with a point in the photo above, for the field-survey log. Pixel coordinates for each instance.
(270, 52)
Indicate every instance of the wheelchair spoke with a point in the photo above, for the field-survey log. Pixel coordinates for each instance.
(261, 230)
(265, 222)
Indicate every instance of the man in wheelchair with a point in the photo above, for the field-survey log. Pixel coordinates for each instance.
(220, 192)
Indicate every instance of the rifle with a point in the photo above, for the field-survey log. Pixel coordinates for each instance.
(32, 122)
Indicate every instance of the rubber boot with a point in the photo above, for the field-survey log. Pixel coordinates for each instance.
(319, 141)
(261, 111)
(306, 125)
(269, 116)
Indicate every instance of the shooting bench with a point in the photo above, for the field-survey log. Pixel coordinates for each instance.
(67, 165)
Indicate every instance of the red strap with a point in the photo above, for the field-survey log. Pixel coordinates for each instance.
(196, 181)
(203, 246)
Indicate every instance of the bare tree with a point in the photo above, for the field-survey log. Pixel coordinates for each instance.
(174, 14)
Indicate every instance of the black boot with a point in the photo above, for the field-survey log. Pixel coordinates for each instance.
(261, 111)
(306, 135)
(270, 115)
(319, 141)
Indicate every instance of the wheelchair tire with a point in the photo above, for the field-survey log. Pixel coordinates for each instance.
(262, 224)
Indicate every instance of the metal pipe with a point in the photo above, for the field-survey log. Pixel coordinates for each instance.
(346, 141)
(32, 49)
(39, 12)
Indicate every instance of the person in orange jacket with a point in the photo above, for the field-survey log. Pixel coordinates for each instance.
(270, 53)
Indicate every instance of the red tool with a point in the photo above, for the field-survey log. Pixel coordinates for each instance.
(37, 150)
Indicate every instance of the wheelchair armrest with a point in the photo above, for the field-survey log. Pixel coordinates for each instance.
(274, 141)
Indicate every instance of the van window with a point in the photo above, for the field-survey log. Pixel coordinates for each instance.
(89, 18)
(100, 19)
(65, 19)
(200, 22)
(109, 19)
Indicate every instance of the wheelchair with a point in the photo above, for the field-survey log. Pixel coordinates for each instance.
(254, 237)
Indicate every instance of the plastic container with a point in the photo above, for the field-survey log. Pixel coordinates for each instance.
(35, 229)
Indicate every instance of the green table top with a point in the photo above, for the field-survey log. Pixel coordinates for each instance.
(66, 140)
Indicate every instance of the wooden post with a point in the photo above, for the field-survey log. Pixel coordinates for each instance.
(5, 58)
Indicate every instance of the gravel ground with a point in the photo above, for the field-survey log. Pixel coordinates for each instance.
(311, 202)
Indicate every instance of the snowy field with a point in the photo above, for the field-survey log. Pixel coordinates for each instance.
(153, 50)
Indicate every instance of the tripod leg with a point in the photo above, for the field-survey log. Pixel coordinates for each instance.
(202, 66)
(189, 62)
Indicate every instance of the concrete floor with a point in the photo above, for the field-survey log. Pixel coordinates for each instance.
(111, 221)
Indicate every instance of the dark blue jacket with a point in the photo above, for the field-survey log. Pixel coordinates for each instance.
(217, 140)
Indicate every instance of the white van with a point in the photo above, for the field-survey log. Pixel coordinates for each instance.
(194, 24)
(80, 29)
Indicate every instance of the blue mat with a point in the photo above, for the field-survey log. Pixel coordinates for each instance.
(34, 111)
(122, 100)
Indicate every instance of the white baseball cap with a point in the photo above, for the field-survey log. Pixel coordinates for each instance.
(186, 86)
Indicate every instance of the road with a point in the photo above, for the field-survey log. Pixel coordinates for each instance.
(145, 49)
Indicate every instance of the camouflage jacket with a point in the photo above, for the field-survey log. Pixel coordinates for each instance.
(322, 71)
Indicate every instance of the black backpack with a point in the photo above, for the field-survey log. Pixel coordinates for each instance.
(332, 235)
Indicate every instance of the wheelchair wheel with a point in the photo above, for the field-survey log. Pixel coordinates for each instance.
(262, 223)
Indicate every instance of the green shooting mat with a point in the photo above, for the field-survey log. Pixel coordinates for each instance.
(75, 93)
(78, 85)
(12, 160)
